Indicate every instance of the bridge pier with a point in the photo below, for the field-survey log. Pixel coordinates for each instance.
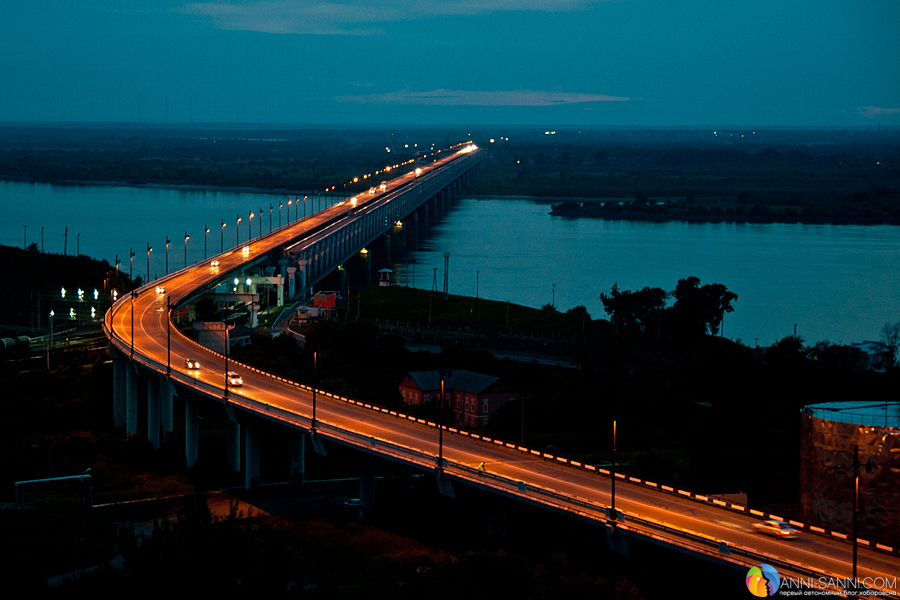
(166, 393)
(234, 446)
(251, 457)
(191, 435)
(153, 411)
(120, 365)
(131, 394)
(366, 487)
(298, 458)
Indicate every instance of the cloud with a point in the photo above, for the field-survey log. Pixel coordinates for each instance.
(353, 17)
(874, 111)
(442, 97)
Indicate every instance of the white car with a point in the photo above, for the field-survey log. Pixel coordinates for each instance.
(778, 529)
(160, 289)
(192, 364)
(234, 379)
(214, 263)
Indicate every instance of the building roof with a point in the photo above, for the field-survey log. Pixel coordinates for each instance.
(857, 412)
(461, 380)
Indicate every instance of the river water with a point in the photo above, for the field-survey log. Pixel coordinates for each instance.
(839, 283)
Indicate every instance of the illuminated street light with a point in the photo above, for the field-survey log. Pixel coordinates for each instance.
(205, 235)
(315, 382)
(250, 226)
(237, 231)
(149, 250)
(186, 238)
(134, 295)
(223, 237)
(167, 254)
(270, 217)
(280, 205)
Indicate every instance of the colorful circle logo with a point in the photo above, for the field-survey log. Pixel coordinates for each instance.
(763, 581)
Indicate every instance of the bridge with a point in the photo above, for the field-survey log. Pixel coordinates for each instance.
(148, 351)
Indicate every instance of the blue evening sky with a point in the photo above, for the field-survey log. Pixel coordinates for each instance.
(691, 63)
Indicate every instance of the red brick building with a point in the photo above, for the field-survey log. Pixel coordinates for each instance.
(472, 396)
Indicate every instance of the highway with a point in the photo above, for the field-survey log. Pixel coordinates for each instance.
(701, 526)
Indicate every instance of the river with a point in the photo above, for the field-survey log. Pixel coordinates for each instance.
(839, 283)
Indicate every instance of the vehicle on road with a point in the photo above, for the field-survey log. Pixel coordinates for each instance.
(214, 263)
(352, 503)
(234, 379)
(192, 363)
(778, 529)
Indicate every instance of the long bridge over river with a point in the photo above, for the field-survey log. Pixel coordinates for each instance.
(148, 351)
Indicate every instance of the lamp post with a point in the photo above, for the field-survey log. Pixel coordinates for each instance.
(149, 250)
(304, 205)
(134, 295)
(260, 214)
(612, 507)
(131, 265)
(270, 218)
(441, 424)
(280, 205)
(205, 235)
(222, 248)
(167, 255)
(186, 238)
(237, 231)
(315, 382)
(50, 340)
(250, 226)
(169, 307)
(856, 466)
(226, 352)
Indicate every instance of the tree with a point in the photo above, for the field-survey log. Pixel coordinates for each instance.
(698, 310)
(890, 334)
(629, 310)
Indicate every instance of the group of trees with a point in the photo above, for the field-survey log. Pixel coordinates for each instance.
(696, 311)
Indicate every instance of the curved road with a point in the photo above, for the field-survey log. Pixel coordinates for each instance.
(670, 517)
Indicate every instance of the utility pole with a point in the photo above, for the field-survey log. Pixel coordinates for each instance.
(446, 274)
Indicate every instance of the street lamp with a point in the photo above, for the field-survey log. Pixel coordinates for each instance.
(167, 255)
(186, 238)
(169, 307)
(205, 235)
(856, 466)
(134, 295)
(250, 227)
(260, 213)
(131, 266)
(149, 250)
(613, 474)
(315, 382)
(280, 206)
(227, 348)
(270, 218)
(441, 424)
(50, 339)
(222, 249)
(237, 231)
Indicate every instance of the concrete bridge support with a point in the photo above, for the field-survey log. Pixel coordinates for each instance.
(131, 394)
(234, 447)
(191, 435)
(291, 275)
(120, 365)
(153, 411)
(166, 419)
(298, 458)
(366, 487)
(251, 457)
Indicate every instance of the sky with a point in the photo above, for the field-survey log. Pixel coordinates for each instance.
(606, 63)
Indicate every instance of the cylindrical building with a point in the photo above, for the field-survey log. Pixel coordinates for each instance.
(829, 432)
